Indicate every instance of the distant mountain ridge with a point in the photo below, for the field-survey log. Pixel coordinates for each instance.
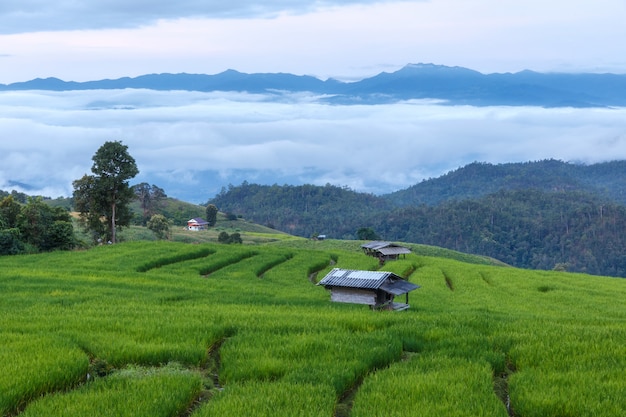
(452, 85)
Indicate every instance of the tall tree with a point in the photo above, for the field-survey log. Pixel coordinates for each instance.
(9, 210)
(87, 203)
(149, 197)
(211, 214)
(106, 194)
(142, 194)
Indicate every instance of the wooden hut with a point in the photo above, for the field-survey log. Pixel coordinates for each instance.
(374, 288)
(384, 250)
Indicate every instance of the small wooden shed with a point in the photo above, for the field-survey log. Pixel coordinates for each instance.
(384, 250)
(374, 288)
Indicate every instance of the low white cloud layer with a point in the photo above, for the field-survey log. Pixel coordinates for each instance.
(193, 143)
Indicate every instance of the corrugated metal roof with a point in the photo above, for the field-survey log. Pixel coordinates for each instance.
(398, 287)
(394, 250)
(375, 244)
(354, 279)
(387, 281)
(386, 248)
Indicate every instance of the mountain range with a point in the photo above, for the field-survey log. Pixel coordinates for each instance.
(449, 85)
(541, 215)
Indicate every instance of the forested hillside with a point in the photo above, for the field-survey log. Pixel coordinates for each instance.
(569, 230)
(303, 210)
(545, 215)
(479, 179)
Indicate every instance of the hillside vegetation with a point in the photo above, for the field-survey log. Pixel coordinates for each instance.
(172, 329)
(540, 215)
(607, 180)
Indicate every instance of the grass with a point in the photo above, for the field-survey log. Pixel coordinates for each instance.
(259, 399)
(168, 328)
(432, 384)
(250, 233)
(166, 391)
(37, 364)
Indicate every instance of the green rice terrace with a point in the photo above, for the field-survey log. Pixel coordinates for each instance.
(177, 329)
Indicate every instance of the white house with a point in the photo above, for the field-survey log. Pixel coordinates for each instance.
(197, 224)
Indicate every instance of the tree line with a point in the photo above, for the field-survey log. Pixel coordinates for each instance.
(104, 202)
(528, 228)
(571, 230)
(33, 227)
(542, 216)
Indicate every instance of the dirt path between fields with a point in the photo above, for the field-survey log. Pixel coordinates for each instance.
(501, 387)
(346, 401)
(313, 275)
(210, 370)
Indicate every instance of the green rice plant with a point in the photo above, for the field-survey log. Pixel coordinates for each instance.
(592, 393)
(576, 370)
(430, 386)
(296, 280)
(269, 262)
(335, 357)
(184, 255)
(355, 260)
(220, 257)
(119, 349)
(225, 260)
(320, 262)
(32, 365)
(270, 399)
(402, 267)
(327, 245)
(133, 392)
(147, 334)
(522, 333)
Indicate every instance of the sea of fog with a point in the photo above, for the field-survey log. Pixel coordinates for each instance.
(192, 143)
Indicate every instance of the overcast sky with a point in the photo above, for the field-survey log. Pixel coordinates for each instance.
(86, 40)
(192, 144)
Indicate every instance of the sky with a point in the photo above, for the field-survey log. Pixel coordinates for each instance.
(344, 39)
(192, 144)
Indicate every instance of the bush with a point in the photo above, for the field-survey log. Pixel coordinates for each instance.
(223, 237)
(160, 226)
(236, 238)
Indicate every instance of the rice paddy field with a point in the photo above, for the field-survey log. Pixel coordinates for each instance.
(177, 329)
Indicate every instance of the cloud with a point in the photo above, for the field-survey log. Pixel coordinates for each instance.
(191, 144)
(19, 16)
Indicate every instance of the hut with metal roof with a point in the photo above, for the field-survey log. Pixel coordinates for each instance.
(384, 251)
(377, 289)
